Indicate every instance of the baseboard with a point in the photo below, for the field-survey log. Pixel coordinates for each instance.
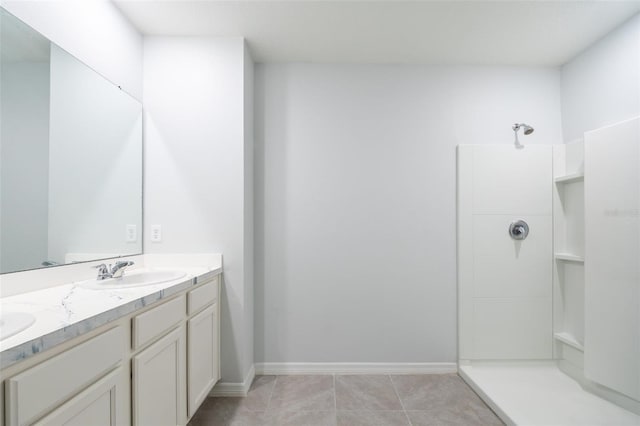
(283, 368)
(234, 389)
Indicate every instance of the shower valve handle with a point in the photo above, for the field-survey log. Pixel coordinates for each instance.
(518, 229)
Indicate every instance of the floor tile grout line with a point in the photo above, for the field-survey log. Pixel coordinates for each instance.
(368, 409)
(335, 397)
(393, 385)
(335, 400)
(273, 389)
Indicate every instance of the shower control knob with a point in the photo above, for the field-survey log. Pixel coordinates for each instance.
(518, 229)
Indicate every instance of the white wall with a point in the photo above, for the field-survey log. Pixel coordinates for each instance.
(196, 158)
(94, 31)
(24, 164)
(601, 86)
(355, 201)
(249, 205)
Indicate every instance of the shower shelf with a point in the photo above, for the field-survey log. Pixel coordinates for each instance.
(568, 257)
(573, 177)
(569, 339)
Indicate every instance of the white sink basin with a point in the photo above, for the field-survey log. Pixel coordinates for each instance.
(14, 322)
(135, 279)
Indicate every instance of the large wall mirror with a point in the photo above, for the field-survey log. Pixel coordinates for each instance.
(70, 157)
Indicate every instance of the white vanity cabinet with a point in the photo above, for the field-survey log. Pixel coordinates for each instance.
(87, 379)
(203, 366)
(158, 371)
(153, 367)
(174, 375)
(159, 382)
(98, 405)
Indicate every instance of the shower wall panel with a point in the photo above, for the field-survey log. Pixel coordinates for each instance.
(612, 257)
(505, 290)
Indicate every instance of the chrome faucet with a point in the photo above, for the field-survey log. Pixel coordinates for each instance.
(103, 271)
(112, 271)
(117, 270)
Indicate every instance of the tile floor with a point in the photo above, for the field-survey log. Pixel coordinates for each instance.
(368, 400)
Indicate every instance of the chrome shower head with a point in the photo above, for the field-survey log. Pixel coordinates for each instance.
(527, 129)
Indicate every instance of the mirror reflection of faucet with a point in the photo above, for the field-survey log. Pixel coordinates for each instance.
(113, 271)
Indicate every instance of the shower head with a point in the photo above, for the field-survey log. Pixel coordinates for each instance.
(527, 129)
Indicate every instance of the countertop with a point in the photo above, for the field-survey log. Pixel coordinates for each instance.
(67, 311)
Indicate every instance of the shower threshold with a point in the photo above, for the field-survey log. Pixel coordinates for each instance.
(538, 393)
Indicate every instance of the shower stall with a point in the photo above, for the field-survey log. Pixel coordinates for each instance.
(549, 278)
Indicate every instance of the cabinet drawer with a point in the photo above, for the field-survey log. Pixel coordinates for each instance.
(96, 406)
(203, 296)
(40, 389)
(156, 321)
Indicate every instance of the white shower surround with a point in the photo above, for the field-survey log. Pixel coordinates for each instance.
(504, 285)
(596, 282)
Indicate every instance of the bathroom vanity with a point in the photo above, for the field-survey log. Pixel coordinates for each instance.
(80, 345)
(146, 354)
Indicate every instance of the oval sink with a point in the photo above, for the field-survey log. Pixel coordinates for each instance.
(135, 279)
(14, 322)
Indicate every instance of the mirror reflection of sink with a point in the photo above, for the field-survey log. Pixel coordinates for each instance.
(135, 279)
(14, 322)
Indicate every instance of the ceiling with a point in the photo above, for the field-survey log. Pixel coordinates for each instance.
(531, 33)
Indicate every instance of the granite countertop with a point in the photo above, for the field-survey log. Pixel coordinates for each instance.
(67, 311)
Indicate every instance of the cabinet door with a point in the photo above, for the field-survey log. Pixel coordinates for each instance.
(203, 350)
(159, 382)
(101, 404)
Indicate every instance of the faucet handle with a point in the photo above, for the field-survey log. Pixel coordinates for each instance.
(103, 271)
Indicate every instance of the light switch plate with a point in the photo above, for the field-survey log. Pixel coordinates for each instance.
(156, 233)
